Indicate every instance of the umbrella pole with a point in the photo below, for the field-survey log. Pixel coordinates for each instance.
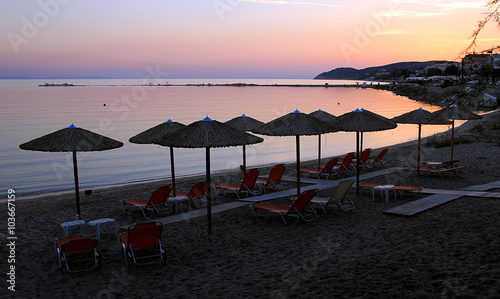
(172, 168)
(361, 143)
(297, 146)
(244, 160)
(357, 162)
(319, 152)
(418, 149)
(209, 195)
(77, 189)
(452, 136)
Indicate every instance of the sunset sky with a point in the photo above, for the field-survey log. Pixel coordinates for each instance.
(229, 38)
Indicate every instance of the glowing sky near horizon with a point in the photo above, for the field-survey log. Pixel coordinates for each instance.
(230, 38)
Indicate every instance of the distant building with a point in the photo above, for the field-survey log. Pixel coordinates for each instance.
(472, 63)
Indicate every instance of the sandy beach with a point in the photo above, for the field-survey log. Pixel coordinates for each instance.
(450, 251)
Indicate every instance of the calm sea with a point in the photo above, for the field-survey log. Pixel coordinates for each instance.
(110, 108)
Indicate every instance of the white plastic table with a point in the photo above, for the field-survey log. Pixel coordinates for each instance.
(75, 223)
(384, 189)
(177, 199)
(106, 222)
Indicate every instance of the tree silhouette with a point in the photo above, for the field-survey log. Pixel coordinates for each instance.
(492, 16)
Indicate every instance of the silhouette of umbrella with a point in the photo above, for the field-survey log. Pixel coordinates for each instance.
(72, 139)
(419, 117)
(362, 121)
(295, 124)
(156, 132)
(452, 113)
(207, 133)
(325, 116)
(244, 123)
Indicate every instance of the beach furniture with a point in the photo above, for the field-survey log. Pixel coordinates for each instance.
(77, 253)
(363, 158)
(400, 189)
(378, 159)
(458, 171)
(324, 171)
(157, 203)
(338, 198)
(195, 195)
(344, 166)
(98, 224)
(82, 224)
(247, 186)
(275, 179)
(142, 243)
(297, 209)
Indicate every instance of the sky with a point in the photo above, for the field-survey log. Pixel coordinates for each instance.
(229, 38)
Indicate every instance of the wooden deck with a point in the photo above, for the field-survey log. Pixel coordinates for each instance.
(441, 196)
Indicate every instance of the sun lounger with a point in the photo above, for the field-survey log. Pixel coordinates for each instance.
(248, 186)
(458, 171)
(275, 179)
(344, 166)
(196, 194)
(78, 253)
(363, 158)
(142, 243)
(157, 203)
(297, 209)
(338, 198)
(324, 171)
(378, 160)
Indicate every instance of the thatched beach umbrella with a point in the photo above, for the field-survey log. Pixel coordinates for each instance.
(295, 124)
(207, 133)
(72, 139)
(244, 123)
(156, 132)
(419, 117)
(362, 121)
(452, 113)
(324, 116)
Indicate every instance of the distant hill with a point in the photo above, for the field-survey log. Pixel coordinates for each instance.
(363, 74)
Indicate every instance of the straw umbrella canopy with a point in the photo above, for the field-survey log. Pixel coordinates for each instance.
(156, 132)
(72, 139)
(325, 116)
(244, 123)
(295, 124)
(452, 113)
(207, 133)
(362, 121)
(419, 117)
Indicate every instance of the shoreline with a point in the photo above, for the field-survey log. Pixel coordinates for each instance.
(40, 194)
(36, 195)
(291, 163)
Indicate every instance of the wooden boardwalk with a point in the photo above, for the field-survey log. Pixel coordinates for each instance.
(441, 196)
